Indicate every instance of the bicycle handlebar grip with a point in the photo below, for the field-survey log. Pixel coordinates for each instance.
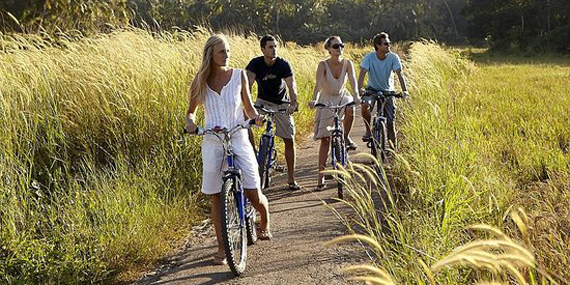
(320, 105)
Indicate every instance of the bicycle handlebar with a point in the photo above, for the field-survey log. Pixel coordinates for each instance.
(200, 131)
(384, 93)
(323, 106)
(270, 111)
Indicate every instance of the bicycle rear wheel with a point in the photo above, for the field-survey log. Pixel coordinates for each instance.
(339, 151)
(263, 157)
(234, 233)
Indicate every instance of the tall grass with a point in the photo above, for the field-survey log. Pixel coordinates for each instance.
(479, 140)
(96, 180)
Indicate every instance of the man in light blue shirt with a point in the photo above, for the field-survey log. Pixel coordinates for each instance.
(380, 65)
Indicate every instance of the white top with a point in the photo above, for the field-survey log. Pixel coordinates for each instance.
(225, 110)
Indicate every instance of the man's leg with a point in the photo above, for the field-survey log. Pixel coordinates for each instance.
(285, 129)
(390, 111)
(290, 159)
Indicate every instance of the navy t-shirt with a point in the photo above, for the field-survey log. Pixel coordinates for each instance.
(271, 85)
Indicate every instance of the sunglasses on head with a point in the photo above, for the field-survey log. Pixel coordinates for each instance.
(337, 46)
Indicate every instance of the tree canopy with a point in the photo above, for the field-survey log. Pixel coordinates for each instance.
(503, 24)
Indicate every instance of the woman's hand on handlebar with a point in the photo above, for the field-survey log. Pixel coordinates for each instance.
(191, 127)
(259, 119)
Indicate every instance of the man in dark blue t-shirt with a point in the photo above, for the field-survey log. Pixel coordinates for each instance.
(274, 76)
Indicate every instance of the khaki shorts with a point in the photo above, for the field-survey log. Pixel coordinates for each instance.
(284, 124)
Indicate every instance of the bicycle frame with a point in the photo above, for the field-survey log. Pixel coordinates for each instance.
(266, 155)
(336, 130)
(232, 172)
(270, 136)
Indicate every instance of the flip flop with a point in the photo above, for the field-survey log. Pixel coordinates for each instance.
(264, 235)
(351, 146)
(294, 186)
(219, 260)
(320, 187)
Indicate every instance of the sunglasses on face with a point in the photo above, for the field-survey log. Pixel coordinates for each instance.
(337, 46)
(387, 43)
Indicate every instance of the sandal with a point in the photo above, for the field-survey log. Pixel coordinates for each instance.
(320, 187)
(351, 145)
(294, 186)
(264, 235)
(219, 260)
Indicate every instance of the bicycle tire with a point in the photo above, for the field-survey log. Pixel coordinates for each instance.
(337, 148)
(382, 143)
(262, 163)
(375, 139)
(236, 250)
(250, 225)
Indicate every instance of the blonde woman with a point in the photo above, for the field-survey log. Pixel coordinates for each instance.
(330, 89)
(224, 93)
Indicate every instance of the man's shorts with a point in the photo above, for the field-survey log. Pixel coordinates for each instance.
(214, 162)
(389, 107)
(284, 124)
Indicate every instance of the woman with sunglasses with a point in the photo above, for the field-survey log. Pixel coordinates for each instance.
(330, 89)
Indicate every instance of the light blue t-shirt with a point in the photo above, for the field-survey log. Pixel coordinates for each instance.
(380, 71)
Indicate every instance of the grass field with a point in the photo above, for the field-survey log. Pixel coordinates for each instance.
(96, 179)
(482, 137)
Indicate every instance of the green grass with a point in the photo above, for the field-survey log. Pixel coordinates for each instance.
(97, 182)
(479, 139)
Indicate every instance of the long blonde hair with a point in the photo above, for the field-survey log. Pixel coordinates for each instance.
(199, 85)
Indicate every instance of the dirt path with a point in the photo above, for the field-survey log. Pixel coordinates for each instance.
(301, 223)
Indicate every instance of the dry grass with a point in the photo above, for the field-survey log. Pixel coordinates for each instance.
(478, 140)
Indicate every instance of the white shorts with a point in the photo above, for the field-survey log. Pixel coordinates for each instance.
(214, 162)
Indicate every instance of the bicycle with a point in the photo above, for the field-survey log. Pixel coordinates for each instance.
(267, 154)
(238, 216)
(339, 155)
(377, 142)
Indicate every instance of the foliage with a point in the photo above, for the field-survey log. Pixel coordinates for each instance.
(520, 25)
(96, 178)
(476, 143)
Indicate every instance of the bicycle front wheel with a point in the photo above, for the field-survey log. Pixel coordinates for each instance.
(378, 143)
(233, 231)
(263, 157)
(339, 151)
(251, 226)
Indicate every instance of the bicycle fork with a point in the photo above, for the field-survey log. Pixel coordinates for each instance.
(337, 132)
